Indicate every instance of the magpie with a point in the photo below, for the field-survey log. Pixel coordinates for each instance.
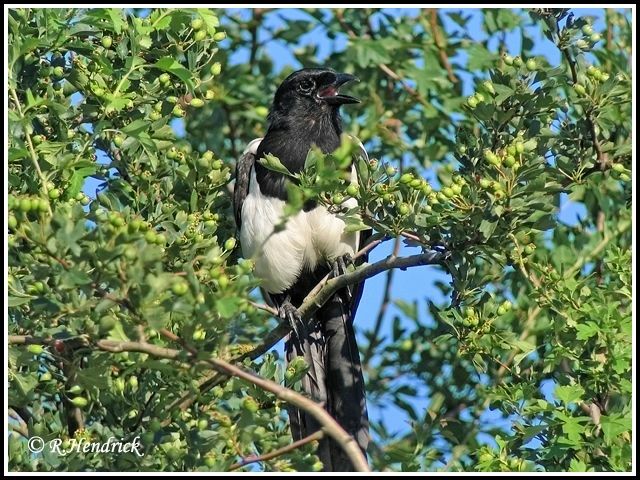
(291, 260)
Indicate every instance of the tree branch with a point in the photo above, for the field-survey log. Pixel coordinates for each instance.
(441, 44)
(329, 425)
(276, 453)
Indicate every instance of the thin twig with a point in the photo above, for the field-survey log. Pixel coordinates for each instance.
(277, 453)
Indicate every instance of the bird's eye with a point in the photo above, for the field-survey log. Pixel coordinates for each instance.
(306, 86)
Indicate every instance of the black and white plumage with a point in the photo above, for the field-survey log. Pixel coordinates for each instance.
(291, 261)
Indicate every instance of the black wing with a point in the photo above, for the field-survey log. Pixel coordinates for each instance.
(243, 177)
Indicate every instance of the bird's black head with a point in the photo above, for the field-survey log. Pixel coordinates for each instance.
(312, 91)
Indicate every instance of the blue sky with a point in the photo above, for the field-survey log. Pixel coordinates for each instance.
(415, 283)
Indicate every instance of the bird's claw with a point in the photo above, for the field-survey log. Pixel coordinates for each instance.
(340, 266)
(290, 314)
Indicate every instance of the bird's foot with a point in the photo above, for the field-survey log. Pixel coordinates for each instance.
(341, 264)
(339, 267)
(290, 314)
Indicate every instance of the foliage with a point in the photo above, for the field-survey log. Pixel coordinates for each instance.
(94, 94)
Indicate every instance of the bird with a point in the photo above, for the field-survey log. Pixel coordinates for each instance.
(291, 260)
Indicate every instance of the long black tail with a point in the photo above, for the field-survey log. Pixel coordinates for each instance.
(334, 379)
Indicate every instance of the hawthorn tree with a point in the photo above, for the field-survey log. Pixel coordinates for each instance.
(131, 312)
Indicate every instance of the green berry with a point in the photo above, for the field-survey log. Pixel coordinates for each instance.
(517, 62)
(219, 36)
(390, 170)
(107, 323)
(119, 383)
(529, 249)
(199, 335)
(531, 64)
(58, 72)
(196, 102)
(485, 183)
(352, 190)
(46, 377)
(203, 162)
(508, 59)
(38, 139)
(180, 288)
(75, 390)
(178, 111)
(79, 402)
(210, 95)
(592, 71)
(337, 199)
(488, 86)
(210, 460)
(472, 102)
(456, 188)
(485, 457)
(155, 425)
(587, 29)
(403, 209)
(161, 239)
(151, 236)
(197, 23)
(164, 78)
(618, 167)
(200, 35)
(479, 97)
(448, 192)
(501, 310)
(12, 222)
(54, 194)
(625, 177)
(579, 88)
(172, 153)
(230, 244)
(35, 349)
(155, 116)
(216, 68)
(107, 41)
(595, 37)
(250, 404)
(118, 140)
(416, 183)
(509, 161)
(133, 382)
(406, 178)
(406, 345)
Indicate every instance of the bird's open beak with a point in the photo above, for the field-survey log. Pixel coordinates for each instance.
(331, 93)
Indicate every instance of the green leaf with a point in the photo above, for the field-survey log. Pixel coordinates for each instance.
(568, 394)
(228, 307)
(170, 65)
(273, 163)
